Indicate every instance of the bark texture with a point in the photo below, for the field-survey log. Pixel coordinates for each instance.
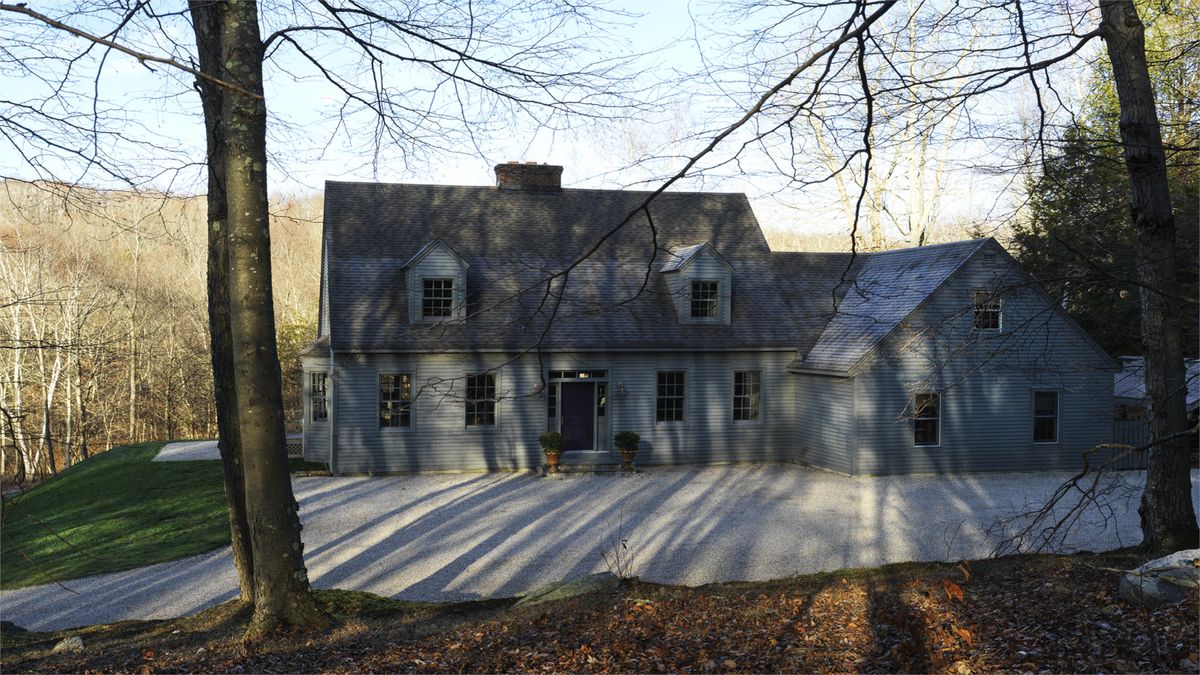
(1168, 518)
(207, 27)
(281, 589)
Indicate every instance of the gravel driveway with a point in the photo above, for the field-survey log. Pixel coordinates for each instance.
(455, 537)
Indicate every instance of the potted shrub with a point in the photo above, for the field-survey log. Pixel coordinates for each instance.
(552, 445)
(627, 444)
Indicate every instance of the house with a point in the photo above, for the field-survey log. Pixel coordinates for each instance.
(1129, 389)
(459, 323)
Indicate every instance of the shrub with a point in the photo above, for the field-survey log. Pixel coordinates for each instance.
(552, 442)
(627, 440)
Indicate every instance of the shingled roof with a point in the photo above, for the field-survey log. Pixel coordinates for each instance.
(512, 239)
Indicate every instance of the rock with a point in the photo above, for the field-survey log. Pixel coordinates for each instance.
(570, 588)
(73, 644)
(10, 627)
(1162, 581)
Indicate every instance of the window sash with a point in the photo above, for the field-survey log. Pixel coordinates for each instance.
(668, 405)
(927, 418)
(319, 396)
(705, 296)
(481, 400)
(747, 393)
(437, 298)
(1045, 417)
(395, 400)
(986, 311)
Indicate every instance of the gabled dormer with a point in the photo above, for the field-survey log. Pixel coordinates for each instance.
(435, 279)
(701, 284)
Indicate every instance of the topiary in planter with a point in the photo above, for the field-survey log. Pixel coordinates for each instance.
(552, 445)
(627, 444)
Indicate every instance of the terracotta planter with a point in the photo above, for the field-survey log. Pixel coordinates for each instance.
(627, 457)
(552, 462)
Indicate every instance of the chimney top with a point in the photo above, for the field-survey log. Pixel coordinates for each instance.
(529, 176)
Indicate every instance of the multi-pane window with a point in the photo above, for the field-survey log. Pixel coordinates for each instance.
(704, 299)
(318, 395)
(552, 400)
(927, 418)
(986, 311)
(747, 388)
(481, 400)
(1045, 417)
(395, 400)
(601, 399)
(669, 403)
(437, 298)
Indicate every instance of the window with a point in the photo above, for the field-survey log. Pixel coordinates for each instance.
(601, 398)
(747, 387)
(927, 418)
(552, 400)
(320, 399)
(986, 311)
(395, 401)
(669, 406)
(437, 298)
(481, 400)
(1045, 417)
(704, 299)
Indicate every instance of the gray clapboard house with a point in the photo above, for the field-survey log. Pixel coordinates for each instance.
(442, 347)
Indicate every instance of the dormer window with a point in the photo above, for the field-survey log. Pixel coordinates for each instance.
(986, 311)
(705, 299)
(437, 298)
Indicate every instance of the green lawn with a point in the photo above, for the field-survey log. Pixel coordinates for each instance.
(115, 511)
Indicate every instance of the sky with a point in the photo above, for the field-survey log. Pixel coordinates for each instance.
(156, 107)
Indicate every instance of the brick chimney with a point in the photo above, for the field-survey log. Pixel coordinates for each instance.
(529, 176)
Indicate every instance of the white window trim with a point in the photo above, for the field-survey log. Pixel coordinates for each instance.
(421, 299)
(308, 402)
(1033, 416)
(412, 403)
(687, 383)
(999, 312)
(718, 310)
(481, 428)
(912, 429)
(762, 409)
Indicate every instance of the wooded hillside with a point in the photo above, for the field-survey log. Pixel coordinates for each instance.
(103, 328)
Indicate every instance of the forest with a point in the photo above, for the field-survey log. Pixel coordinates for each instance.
(105, 332)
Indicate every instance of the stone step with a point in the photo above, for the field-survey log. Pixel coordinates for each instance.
(587, 469)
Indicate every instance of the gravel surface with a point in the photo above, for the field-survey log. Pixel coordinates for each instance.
(188, 451)
(464, 536)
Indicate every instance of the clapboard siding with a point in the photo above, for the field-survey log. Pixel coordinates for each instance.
(824, 422)
(439, 440)
(316, 434)
(986, 381)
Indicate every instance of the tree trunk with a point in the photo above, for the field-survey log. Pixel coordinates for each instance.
(281, 589)
(207, 27)
(1168, 518)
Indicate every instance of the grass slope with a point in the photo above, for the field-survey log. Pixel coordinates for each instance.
(115, 511)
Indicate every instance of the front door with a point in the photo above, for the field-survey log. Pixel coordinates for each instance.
(578, 401)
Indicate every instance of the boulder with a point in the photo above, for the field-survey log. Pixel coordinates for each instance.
(1162, 581)
(570, 588)
(73, 645)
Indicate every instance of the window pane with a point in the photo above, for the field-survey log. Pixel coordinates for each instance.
(986, 311)
(319, 396)
(1045, 429)
(746, 393)
(926, 418)
(1045, 403)
(481, 400)
(669, 402)
(395, 400)
(704, 299)
(437, 297)
(601, 399)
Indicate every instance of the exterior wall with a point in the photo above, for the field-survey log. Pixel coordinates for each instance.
(316, 434)
(437, 263)
(824, 422)
(986, 381)
(439, 439)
